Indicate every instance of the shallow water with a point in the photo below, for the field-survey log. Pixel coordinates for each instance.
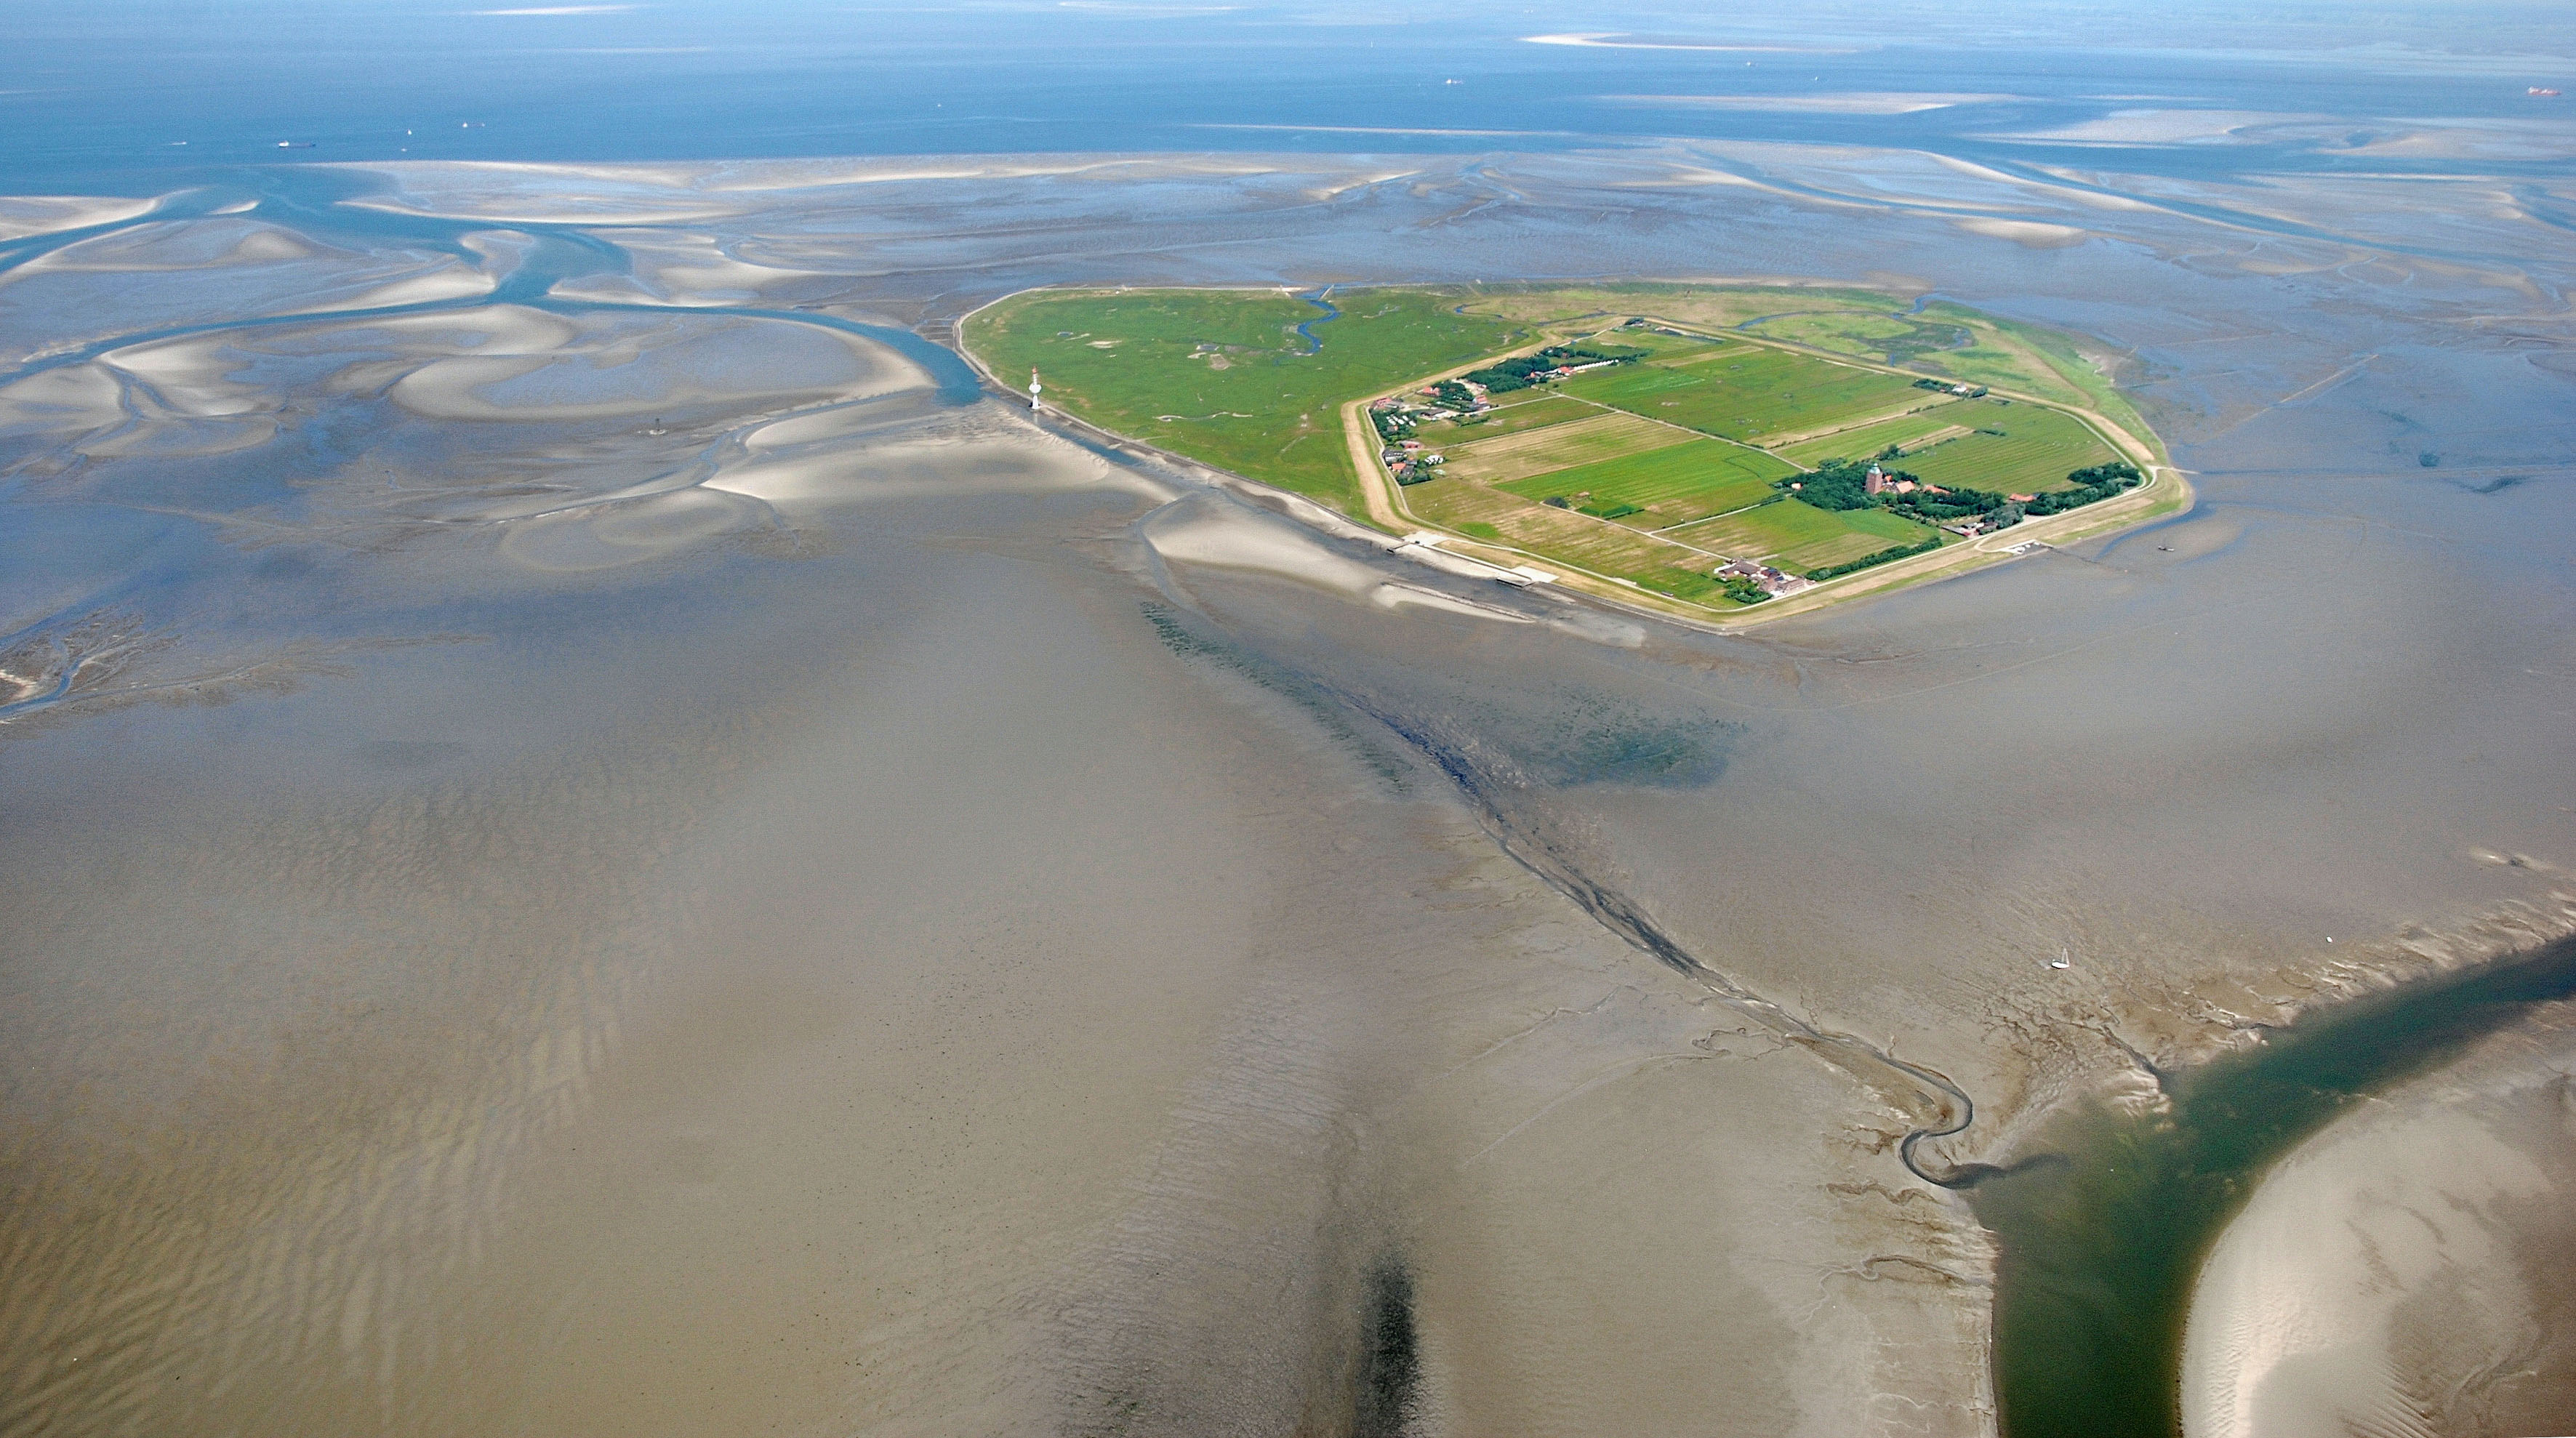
(2104, 1230)
(595, 843)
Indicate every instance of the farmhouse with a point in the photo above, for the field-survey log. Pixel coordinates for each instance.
(1772, 580)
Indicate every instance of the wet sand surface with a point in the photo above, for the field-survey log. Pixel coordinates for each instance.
(600, 848)
(2400, 1271)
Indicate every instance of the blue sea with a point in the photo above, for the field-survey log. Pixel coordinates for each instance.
(129, 93)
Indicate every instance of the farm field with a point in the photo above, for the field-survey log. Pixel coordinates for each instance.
(1862, 323)
(1797, 536)
(1666, 346)
(1606, 435)
(1865, 441)
(1749, 392)
(2034, 454)
(1672, 485)
(1604, 548)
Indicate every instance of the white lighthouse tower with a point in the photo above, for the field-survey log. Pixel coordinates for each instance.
(1035, 389)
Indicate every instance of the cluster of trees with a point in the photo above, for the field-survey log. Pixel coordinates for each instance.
(1598, 509)
(1741, 589)
(1844, 484)
(1450, 394)
(1951, 506)
(1925, 545)
(1392, 424)
(1520, 373)
(2100, 481)
(1837, 484)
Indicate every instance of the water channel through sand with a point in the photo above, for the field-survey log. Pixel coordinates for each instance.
(2104, 1230)
(705, 878)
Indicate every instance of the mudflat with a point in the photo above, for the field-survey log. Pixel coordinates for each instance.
(624, 847)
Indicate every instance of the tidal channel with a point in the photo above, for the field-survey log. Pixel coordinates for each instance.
(2103, 1232)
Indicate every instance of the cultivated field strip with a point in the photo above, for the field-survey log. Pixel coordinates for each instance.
(1604, 436)
(1674, 485)
(2036, 450)
(1795, 536)
(1749, 391)
(1602, 547)
(1917, 404)
(1865, 441)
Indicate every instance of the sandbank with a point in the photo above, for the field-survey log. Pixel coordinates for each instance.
(2403, 1271)
(22, 216)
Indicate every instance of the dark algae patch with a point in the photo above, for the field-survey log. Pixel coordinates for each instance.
(1631, 750)
(2101, 1238)
(1192, 642)
(1390, 1366)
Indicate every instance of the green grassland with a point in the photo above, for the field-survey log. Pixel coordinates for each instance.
(1868, 440)
(1949, 341)
(2035, 361)
(1798, 536)
(2034, 453)
(1606, 435)
(2010, 447)
(1669, 346)
(1705, 306)
(1673, 485)
(1145, 363)
(1226, 378)
(1886, 338)
(1754, 392)
(1561, 536)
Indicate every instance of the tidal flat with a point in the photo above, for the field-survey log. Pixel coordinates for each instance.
(598, 841)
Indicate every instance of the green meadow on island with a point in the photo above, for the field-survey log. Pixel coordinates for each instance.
(1693, 448)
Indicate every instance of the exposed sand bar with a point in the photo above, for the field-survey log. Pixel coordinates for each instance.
(24, 215)
(2405, 1271)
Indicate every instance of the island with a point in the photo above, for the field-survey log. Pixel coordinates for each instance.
(1721, 452)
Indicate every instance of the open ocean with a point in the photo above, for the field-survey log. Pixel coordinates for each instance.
(154, 88)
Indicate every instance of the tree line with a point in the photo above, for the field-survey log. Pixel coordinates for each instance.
(1843, 484)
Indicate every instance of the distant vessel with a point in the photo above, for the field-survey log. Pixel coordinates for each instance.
(295, 144)
(2542, 92)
